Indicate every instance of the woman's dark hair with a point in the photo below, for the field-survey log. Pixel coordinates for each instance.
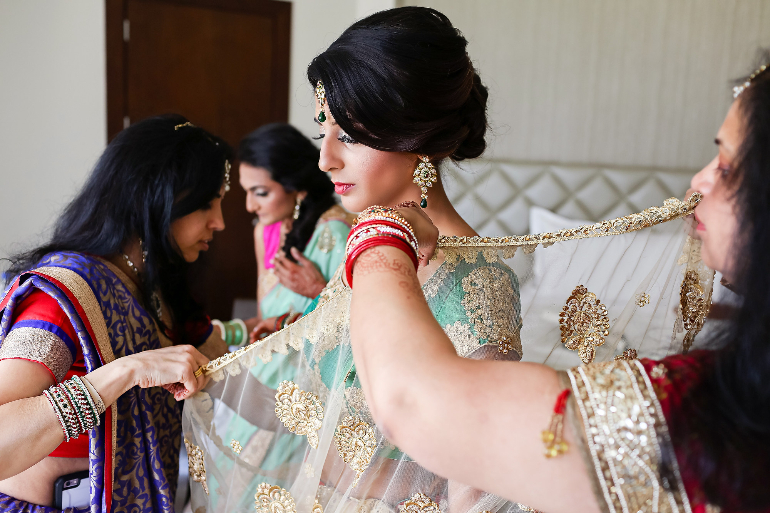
(151, 174)
(401, 80)
(292, 160)
(724, 428)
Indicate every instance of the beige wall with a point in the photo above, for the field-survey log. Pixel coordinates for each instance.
(632, 82)
(52, 109)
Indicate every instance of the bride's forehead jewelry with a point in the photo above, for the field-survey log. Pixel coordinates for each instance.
(737, 90)
(184, 125)
(320, 94)
(227, 175)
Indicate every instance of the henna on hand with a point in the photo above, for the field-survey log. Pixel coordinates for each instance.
(375, 261)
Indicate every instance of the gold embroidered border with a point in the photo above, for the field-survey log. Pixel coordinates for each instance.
(626, 434)
(38, 345)
(85, 296)
(672, 208)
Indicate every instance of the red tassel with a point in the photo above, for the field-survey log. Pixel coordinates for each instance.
(553, 436)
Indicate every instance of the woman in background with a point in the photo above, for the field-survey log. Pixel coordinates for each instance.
(99, 321)
(299, 239)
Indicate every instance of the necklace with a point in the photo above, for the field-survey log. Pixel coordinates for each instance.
(154, 296)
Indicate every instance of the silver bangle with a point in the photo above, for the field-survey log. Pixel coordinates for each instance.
(95, 397)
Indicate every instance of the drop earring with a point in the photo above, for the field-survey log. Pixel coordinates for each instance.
(424, 176)
(296, 209)
(320, 94)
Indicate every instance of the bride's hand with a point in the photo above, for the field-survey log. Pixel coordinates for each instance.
(424, 229)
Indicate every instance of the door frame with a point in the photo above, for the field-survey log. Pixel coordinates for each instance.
(117, 57)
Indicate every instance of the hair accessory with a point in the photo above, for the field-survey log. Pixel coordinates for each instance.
(295, 215)
(184, 125)
(425, 176)
(320, 94)
(227, 175)
(737, 90)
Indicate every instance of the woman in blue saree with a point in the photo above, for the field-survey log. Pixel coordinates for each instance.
(99, 335)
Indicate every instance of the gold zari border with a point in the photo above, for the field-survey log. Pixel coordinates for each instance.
(627, 435)
(672, 208)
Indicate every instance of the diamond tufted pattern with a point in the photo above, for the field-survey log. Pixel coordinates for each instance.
(495, 196)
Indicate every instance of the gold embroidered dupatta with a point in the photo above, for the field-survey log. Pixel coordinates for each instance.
(592, 294)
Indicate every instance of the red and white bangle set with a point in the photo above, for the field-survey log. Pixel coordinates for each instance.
(74, 406)
(379, 226)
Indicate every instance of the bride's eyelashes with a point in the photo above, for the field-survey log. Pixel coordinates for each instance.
(343, 137)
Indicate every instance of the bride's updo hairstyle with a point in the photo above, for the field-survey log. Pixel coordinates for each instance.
(401, 80)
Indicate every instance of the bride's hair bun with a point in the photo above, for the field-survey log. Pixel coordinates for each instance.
(401, 80)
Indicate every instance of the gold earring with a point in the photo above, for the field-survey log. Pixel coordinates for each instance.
(424, 176)
(296, 209)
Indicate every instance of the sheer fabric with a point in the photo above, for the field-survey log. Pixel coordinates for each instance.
(303, 439)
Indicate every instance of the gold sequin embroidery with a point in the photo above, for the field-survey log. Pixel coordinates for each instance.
(695, 303)
(356, 443)
(626, 435)
(317, 508)
(196, 465)
(489, 304)
(301, 412)
(642, 300)
(419, 503)
(273, 499)
(464, 340)
(584, 323)
(38, 345)
(235, 445)
(327, 240)
(628, 354)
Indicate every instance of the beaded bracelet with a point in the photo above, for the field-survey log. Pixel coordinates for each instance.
(74, 406)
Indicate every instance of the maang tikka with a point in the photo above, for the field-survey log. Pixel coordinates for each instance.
(320, 94)
(424, 176)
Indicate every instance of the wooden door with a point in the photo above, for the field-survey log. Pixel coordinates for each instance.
(223, 64)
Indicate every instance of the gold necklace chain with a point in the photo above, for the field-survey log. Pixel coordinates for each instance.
(154, 296)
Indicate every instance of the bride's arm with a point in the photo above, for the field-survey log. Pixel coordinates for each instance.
(478, 422)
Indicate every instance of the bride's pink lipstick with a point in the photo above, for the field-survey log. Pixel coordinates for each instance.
(342, 188)
(699, 226)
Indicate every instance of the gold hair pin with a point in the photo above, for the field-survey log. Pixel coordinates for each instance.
(227, 175)
(183, 125)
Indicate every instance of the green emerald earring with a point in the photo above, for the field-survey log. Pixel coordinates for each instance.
(320, 94)
(424, 176)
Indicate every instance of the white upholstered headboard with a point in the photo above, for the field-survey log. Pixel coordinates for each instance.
(494, 196)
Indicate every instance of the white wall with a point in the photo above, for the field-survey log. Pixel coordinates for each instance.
(632, 82)
(52, 109)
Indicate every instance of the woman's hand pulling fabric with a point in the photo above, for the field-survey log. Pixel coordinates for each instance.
(173, 368)
(302, 277)
(424, 229)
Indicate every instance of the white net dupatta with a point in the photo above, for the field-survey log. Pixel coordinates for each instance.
(284, 426)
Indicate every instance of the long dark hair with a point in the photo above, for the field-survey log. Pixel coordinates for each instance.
(401, 80)
(150, 175)
(724, 428)
(292, 160)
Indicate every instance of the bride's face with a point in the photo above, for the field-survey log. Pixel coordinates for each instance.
(364, 176)
(717, 221)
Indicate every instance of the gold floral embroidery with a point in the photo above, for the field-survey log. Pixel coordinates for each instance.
(326, 240)
(432, 285)
(642, 299)
(695, 303)
(195, 464)
(628, 354)
(273, 499)
(235, 445)
(522, 507)
(489, 304)
(357, 401)
(584, 323)
(627, 436)
(317, 508)
(464, 340)
(419, 503)
(356, 443)
(301, 412)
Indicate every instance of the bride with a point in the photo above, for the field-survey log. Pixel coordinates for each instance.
(389, 112)
(397, 95)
